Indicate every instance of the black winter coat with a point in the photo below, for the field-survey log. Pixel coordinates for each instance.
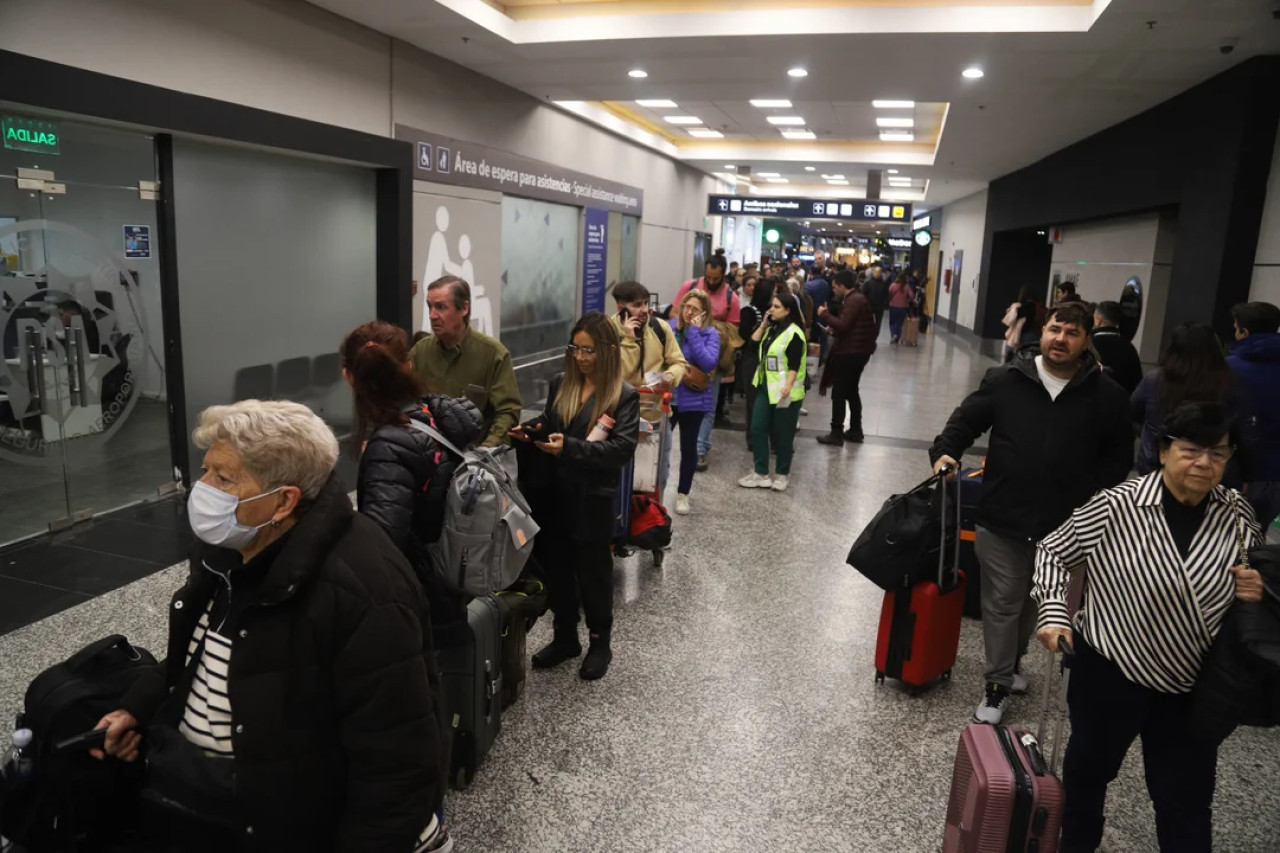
(576, 493)
(1239, 684)
(332, 686)
(1047, 457)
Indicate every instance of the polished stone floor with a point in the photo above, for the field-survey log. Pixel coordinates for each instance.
(741, 712)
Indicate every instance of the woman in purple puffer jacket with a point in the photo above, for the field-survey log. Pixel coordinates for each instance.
(700, 342)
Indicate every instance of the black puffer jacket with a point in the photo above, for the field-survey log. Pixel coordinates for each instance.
(1239, 684)
(336, 741)
(404, 474)
(1047, 457)
(580, 499)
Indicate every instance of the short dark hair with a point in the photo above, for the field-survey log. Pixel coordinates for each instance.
(459, 289)
(717, 261)
(630, 291)
(1109, 312)
(1202, 423)
(733, 263)
(844, 278)
(1257, 318)
(1069, 286)
(1075, 313)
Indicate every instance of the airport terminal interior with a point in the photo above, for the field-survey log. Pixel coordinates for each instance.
(199, 201)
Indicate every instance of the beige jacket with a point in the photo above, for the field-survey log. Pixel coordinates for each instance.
(658, 358)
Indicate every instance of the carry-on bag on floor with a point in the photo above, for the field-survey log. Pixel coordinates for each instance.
(522, 604)
(1004, 796)
(919, 632)
(470, 666)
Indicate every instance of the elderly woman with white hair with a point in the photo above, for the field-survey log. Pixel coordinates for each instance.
(296, 708)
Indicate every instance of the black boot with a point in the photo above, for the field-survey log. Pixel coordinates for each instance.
(855, 437)
(596, 663)
(832, 439)
(564, 647)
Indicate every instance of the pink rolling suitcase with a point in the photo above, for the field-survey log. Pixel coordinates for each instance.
(1004, 797)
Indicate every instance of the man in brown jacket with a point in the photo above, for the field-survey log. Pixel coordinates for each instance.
(854, 329)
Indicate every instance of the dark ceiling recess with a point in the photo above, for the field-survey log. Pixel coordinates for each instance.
(1156, 160)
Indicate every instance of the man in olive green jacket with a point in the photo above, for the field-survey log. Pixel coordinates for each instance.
(457, 361)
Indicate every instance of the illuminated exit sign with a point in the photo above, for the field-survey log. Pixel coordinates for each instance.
(29, 134)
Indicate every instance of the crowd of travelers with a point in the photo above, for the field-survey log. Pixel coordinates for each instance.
(301, 675)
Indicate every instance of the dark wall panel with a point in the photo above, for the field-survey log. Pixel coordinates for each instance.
(1213, 171)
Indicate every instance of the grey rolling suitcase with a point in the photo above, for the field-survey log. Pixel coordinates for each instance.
(471, 681)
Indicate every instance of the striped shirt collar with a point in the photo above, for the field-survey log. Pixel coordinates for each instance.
(1150, 492)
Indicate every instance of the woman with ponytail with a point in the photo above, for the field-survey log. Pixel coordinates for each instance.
(404, 474)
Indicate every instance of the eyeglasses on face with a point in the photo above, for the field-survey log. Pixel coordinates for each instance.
(580, 352)
(1189, 451)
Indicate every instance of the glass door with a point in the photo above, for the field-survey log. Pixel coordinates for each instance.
(84, 425)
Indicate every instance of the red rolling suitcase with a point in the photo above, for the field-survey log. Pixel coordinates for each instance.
(920, 623)
(1004, 797)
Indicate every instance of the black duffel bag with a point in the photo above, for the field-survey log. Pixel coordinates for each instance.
(902, 543)
(73, 801)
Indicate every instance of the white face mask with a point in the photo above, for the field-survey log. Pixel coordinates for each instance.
(212, 513)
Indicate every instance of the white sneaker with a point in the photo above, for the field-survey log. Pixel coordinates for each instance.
(780, 483)
(1019, 684)
(755, 481)
(991, 711)
(682, 504)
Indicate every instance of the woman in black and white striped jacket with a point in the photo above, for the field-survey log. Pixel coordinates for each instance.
(1161, 559)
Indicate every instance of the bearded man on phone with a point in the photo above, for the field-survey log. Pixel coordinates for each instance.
(1060, 431)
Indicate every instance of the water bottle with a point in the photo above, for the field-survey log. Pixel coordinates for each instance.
(19, 762)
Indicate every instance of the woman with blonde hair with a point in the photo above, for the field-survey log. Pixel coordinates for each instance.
(694, 396)
(589, 431)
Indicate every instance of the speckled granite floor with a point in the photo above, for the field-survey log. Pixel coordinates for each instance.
(741, 712)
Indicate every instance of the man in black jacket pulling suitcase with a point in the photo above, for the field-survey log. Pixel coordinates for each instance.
(1060, 431)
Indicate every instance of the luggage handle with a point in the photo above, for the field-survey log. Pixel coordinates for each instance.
(80, 658)
(941, 477)
(1068, 658)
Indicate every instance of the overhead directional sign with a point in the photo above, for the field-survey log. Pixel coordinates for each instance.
(853, 209)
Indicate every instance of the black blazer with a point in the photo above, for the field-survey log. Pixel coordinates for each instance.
(580, 499)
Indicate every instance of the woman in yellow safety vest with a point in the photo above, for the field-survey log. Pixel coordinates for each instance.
(779, 383)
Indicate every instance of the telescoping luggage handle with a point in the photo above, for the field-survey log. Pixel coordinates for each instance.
(1033, 743)
(943, 473)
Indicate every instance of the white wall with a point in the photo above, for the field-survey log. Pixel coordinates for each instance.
(1104, 255)
(963, 225)
(293, 58)
(1266, 262)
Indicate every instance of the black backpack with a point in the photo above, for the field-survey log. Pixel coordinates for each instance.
(74, 802)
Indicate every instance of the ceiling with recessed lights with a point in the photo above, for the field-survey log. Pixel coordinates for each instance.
(1054, 71)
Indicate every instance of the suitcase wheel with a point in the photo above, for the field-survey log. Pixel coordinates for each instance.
(879, 677)
(658, 556)
(946, 676)
(460, 780)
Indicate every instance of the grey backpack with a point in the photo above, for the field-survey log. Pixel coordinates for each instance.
(488, 527)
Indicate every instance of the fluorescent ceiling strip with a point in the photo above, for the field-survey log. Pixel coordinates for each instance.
(771, 103)
(799, 134)
(895, 122)
(705, 133)
(795, 121)
(893, 105)
(682, 119)
(657, 104)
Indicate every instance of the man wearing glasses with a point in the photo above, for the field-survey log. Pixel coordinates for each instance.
(1060, 431)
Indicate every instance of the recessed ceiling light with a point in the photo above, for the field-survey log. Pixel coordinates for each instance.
(893, 171)
(682, 119)
(798, 72)
(895, 122)
(810, 169)
(893, 105)
(794, 121)
(897, 136)
(839, 183)
(658, 104)
(777, 181)
(799, 134)
(833, 177)
(638, 73)
(771, 103)
(973, 72)
(730, 166)
(768, 174)
(705, 133)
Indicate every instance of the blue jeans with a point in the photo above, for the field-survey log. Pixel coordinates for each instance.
(896, 316)
(708, 420)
